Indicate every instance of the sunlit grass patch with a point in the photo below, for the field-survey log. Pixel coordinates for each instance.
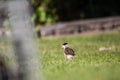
(88, 64)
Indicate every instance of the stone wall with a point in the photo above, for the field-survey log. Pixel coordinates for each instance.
(101, 24)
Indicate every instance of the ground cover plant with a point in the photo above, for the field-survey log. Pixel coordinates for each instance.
(97, 58)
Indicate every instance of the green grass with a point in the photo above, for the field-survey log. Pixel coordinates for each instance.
(88, 64)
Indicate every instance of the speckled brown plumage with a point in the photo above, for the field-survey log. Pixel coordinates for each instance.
(69, 51)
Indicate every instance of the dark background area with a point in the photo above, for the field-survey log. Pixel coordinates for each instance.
(68, 10)
(52, 11)
(77, 9)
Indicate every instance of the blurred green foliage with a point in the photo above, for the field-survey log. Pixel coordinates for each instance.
(50, 11)
(43, 13)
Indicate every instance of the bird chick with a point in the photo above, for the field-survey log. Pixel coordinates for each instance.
(68, 52)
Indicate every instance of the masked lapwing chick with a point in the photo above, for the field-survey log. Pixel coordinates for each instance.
(68, 52)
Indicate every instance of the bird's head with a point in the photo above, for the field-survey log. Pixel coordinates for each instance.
(64, 45)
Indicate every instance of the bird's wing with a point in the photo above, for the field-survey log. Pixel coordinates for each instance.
(69, 51)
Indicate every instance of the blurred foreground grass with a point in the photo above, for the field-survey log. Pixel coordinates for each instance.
(88, 64)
